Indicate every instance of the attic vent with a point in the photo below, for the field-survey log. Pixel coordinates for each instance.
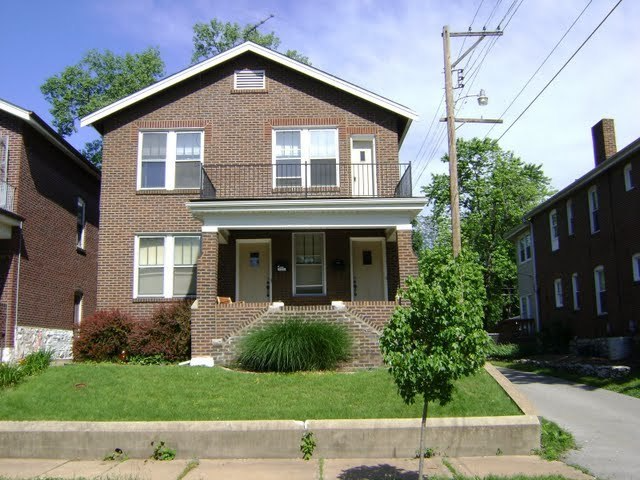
(249, 80)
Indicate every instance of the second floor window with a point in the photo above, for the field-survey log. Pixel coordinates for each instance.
(570, 218)
(575, 287)
(524, 248)
(601, 290)
(305, 157)
(635, 261)
(553, 230)
(594, 208)
(557, 290)
(80, 222)
(170, 160)
(628, 177)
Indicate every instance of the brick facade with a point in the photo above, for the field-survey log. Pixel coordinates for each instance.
(51, 269)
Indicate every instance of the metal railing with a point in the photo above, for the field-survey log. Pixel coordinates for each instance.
(321, 179)
(7, 193)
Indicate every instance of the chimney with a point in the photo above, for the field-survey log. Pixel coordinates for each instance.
(604, 140)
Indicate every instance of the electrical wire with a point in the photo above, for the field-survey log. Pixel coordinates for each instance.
(561, 69)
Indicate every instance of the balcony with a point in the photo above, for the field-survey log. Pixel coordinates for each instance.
(6, 196)
(307, 180)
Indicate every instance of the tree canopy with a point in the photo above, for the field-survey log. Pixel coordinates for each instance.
(496, 190)
(98, 79)
(215, 37)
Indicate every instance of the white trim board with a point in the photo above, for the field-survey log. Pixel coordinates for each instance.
(279, 58)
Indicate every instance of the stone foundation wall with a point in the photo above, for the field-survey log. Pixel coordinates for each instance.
(32, 339)
(613, 348)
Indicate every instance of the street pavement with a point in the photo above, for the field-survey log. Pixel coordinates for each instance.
(606, 425)
(276, 469)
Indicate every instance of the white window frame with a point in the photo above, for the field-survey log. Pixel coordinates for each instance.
(78, 299)
(628, 179)
(168, 266)
(81, 222)
(323, 265)
(554, 230)
(635, 265)
(170, 160)
(524, 248)
(558, 293)
(594, 209)
(305, 156)
(600, 287)
(258, 75)
(575, 290)
(525, 307)
(570, 218)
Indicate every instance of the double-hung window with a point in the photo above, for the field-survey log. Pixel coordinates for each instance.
(81, 208)
(575, 289)
(525, 307)
(166, 265)
(170, 160)
(628, 178)
(553, 230)
(601, 290)
(594, 207)
(308, 256)
(524, 248)
(635, 265)
(557, 288)
(306, 157)
(570, 218)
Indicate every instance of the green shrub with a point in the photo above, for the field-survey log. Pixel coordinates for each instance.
(103, 336)
(36, 362)
(10, 374)
(294, 345)
(166, 336)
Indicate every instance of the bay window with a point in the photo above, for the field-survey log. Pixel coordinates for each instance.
(170, 160)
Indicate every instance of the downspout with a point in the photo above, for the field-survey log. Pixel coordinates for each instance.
(17, 295)
(535, 276)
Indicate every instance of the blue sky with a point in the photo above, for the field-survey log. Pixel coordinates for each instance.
(393, 48)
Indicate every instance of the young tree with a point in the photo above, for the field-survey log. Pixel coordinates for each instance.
(496, 190)
(100, 78)
(215, 37)
(438, 338)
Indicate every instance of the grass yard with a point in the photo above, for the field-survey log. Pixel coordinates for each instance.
(110, 392)
(629, 385)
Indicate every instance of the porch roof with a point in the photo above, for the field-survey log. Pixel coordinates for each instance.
(356, 213)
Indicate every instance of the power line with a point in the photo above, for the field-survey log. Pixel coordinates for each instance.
(541, 65)
(561, 69)
(495, 7)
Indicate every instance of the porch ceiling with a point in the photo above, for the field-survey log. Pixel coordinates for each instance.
(307, 214)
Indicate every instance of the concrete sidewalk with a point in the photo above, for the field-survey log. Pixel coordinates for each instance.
(330, 469)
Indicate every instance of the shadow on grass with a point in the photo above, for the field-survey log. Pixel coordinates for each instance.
(377, 472)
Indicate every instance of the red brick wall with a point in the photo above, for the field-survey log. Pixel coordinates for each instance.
(51, 269)
(237, 129)
(612, 247)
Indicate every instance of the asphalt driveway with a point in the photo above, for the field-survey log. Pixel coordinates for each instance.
(606, 425)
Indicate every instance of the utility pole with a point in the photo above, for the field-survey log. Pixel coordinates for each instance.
(451, 123)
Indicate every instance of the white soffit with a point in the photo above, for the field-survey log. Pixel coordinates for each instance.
(264, 52)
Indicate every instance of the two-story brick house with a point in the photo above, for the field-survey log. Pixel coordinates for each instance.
(49, 199)
(256, 178)
(586, 242)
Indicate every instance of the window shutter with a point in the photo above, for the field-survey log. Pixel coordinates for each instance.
(249, 80)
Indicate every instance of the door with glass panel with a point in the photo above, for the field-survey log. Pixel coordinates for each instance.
(368, 280)
(253, 283)
(363, 168)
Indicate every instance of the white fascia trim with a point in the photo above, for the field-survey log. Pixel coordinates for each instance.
(259, 50)
(14, 110)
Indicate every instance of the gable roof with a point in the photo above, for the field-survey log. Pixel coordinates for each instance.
(277, 57)
(50, 134)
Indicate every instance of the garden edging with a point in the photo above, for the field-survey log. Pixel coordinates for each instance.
(366, 438)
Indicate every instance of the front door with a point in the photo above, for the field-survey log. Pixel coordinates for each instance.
(363, 168)
(368, 275)
(253, 267)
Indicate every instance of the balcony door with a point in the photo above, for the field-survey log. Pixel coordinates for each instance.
(368, 269)
(253, 270)
(363, 167)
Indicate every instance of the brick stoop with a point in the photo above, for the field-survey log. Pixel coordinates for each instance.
(364, 324)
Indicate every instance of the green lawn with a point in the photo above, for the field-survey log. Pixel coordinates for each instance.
(629, 385)
(108, 392)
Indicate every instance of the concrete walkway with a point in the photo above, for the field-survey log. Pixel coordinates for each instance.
(606, 424)
(335, 469)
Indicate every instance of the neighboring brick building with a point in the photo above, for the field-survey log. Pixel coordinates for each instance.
(586, 242)
(49, 200)
(273, 180)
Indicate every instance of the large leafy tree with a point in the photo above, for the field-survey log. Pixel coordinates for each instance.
(215, 37)
(98, 79)
(496, 190)
(438, 338)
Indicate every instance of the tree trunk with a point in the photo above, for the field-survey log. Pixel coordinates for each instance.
(423, 426)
